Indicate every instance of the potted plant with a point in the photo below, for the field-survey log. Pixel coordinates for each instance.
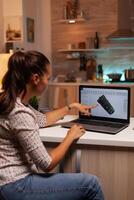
(34, 102)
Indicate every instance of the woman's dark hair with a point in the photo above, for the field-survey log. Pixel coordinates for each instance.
(21, 66)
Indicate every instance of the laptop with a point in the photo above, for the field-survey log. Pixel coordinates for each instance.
(112, 113)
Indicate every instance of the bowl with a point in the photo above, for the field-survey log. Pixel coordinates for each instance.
(114, 76)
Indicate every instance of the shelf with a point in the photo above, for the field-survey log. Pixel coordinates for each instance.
(95, 50)
(74, 54)
(72, 21)
(77, 50)
(72, 58)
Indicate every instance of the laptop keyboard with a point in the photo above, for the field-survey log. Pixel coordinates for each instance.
(98, 123)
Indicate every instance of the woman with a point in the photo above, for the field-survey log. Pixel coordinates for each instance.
(21, 150)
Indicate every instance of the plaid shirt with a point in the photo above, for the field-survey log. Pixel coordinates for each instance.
(20, 144)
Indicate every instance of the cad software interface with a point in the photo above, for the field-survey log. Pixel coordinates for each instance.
(111, 103)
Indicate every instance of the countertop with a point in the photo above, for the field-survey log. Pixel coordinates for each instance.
(56, 133)
(90, 83)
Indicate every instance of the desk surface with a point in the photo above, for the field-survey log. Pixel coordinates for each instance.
(56, 133)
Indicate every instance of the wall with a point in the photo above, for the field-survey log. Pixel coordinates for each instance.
(44, 27)
(1, 26)
(37, 10)
(21, 9)
(44, 37)
(29, 11)
(12, 15)
(14, 8)
(40, 12)
(101, 17)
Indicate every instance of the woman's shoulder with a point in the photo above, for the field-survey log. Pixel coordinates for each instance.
(22, 118)
(20, 108)
(19, 116)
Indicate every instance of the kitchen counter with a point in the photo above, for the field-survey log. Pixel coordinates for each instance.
(109, 157)
(125, 138)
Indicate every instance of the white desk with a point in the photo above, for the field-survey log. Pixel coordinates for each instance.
(110, 157)
(124, 138)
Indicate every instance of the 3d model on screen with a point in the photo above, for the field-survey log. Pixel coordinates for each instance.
(106, 104)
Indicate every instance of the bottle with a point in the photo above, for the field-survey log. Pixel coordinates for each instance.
(69, 9)
(9, 33)
(65, 12)
(75, 9)
(91, 69)
(83, 62)
(96, 41)
(100, 72)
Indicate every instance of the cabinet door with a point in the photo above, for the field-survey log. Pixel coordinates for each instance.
(60, 96)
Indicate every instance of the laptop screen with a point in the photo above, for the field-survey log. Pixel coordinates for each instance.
(113, 103)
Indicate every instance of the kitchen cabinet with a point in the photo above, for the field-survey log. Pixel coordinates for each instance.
(61, 95)
(112, 165)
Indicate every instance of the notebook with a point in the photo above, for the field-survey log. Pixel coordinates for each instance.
(112, 113)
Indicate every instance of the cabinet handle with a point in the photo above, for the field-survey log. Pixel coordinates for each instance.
(78, 161)
(66, 97)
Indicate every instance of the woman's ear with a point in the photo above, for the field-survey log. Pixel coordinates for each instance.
(35, 79)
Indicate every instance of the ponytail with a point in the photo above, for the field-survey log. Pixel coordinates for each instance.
(20, 68)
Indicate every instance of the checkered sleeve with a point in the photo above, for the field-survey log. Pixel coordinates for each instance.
(40, 117)
(26, 130)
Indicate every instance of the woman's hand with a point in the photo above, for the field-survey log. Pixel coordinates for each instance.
(84, 109)
(75, 132)
(58, 153)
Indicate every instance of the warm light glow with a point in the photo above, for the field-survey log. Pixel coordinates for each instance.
(3, 64)
(72, 21)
